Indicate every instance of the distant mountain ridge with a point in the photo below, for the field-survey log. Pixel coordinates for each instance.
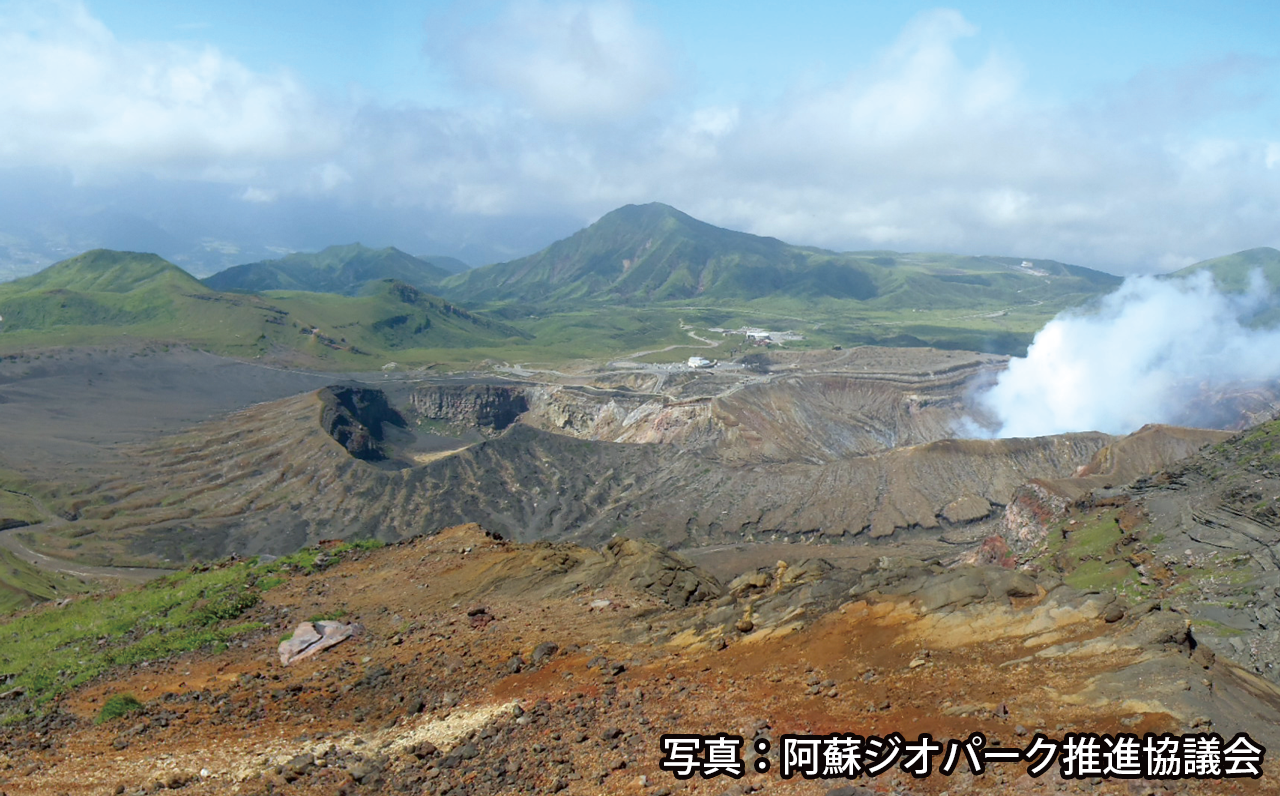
(106, 295)
(451, 265)
(654, 253)
(347, 270)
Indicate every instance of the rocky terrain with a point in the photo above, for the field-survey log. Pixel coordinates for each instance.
(1200, 535)
(64, 408)
(488, 408)
(488, 667)
(270, 480)
(813, 407)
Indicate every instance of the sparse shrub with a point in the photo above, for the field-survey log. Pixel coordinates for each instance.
(225, 606)
(329, 615)
(360, 544)
(117, 706)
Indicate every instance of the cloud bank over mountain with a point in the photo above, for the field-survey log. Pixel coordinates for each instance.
(565, 110)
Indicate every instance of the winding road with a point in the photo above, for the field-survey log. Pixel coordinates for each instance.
(9, 541)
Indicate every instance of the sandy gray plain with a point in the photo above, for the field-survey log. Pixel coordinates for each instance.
(68, 408)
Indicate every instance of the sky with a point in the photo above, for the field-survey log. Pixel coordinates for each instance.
(1104, 134)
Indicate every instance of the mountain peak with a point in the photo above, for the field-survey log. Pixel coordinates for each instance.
(645, 253)
(656, 215)
(108, 271)
(645, 211)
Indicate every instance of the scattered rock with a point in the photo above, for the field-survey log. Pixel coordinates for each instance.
(479, 617)
(544, 652)
(361, 771)
(311, 638)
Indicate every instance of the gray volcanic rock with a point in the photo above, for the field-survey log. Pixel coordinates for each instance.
(272, 479)
(669, 577)
(488, 408)
(354, 416)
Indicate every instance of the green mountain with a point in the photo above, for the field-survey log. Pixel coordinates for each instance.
(106, 271)
(451, 264)
(642, 254)
(1231, 272)
(348, 270)
(100, 287)
(106, 296)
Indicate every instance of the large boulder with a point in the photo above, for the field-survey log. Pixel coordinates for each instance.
(311, 638)
(647, 567)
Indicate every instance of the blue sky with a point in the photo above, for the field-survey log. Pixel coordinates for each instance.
(1103, 134)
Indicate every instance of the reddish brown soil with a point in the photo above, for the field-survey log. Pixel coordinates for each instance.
(243, 716)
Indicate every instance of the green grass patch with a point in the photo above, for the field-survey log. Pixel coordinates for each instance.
(1217, 628)
(1090, 557)
(56, 649)
(359, 545)
(1100, 575)
(115, 707)
(1095, 538)
(48, 651)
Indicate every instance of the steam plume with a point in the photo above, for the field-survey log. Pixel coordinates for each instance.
(1144, 355)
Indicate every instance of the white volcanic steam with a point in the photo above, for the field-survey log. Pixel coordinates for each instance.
(1148, 353)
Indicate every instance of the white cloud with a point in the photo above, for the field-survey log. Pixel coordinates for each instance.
(920, 149)
(569, 61)
(923, 150)
(73, 95)
(260, 196)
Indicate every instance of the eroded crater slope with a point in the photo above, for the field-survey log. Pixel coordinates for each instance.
(270, 480)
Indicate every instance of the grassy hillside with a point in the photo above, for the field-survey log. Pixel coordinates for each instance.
(47, 652)
(647, 254)
(1232, 271)
(99, 287)
(393, 317)
(348, 270)
(22, 584)
(105, 296)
